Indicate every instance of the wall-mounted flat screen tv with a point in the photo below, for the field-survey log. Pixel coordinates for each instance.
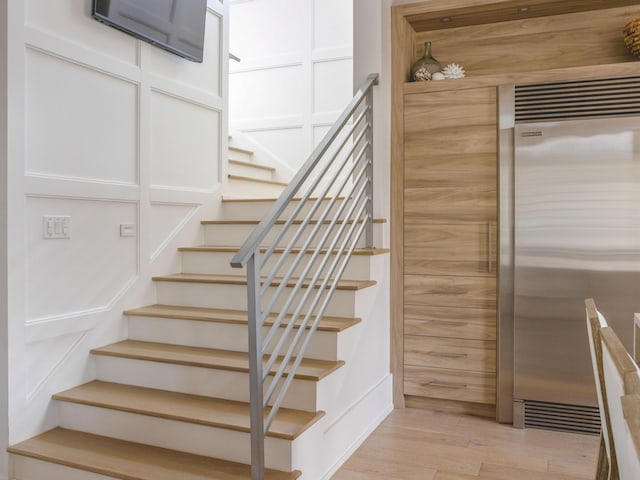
(175, 25)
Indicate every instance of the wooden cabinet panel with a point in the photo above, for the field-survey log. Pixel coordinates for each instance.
(449, 291)
(462, 249)
(450, 322)
(468, 355)
(449, 244)
(468, 139)
(450, 384)
(449, 204)
(450, 170)
(438, 110)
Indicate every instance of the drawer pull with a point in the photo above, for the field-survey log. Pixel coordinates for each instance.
(490, 248)
(447, 355)
(445, 323)
(435, 383)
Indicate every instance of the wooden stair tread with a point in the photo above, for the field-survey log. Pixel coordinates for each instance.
(213, 412)
(232, 176)
(327, 324)
(244, 198)
(310, 369)
(241, 150)
(351, 285)
(369, 252)
(132, 461)
(252, 165)
(280, 222)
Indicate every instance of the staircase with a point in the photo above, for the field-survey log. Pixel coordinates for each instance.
(171, 401)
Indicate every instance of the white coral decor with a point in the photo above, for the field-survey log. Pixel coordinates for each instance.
(453, 70)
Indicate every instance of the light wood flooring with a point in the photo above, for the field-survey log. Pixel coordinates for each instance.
(414, 444)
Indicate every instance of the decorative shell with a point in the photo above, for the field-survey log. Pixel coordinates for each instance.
(422, 74)
(438, 76)
(453, 70)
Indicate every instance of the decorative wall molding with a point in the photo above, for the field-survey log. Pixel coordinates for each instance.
(168, 195)
(255, 64)
(69, 323)
(269, 123)
(42, 185)
(176, 230)
(74, 346)
(64, 49)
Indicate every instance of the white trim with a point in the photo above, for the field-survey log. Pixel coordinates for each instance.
(375, 423)
(45, 185)
(320, 55)
(255, 64)
(177, 229)
(181, 196)
(56, 367)
(75, 322)
(269, 123)
(55, 46)
(348, 410)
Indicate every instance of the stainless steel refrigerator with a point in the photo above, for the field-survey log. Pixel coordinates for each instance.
(576, 234)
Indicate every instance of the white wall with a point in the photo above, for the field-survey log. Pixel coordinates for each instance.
(108, 130)
(4, 424)
(295, 75)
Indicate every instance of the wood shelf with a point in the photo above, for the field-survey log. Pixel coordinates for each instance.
(559, 74)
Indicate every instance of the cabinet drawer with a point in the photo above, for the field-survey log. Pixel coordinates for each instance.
(459, 354)
(450, 322)
(450, 291)
(462, 249)
(450, 384)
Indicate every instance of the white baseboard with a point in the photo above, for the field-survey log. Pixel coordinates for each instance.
(363, 436)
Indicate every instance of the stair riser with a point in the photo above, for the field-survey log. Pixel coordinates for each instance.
(224, 234)
(186, 437)
(249, 171)
(207, 382)
(224, 336)
(241, 156)
(235, 297)
(25, 468)
(251, 210)
(358, 268)
(246, 187)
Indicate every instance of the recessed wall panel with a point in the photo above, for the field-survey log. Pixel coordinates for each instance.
(84, 272)
(333, 85)
(287, 145)
(272, 92)
(80, 122)
(262, 19)
(72, 20)
(165, 220)
(184, 143)
(333, 23)
(205, 75)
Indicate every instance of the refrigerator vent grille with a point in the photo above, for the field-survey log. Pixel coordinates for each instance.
(609, 97)
(562, 417)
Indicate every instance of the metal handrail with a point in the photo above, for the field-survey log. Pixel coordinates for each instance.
(333, 210)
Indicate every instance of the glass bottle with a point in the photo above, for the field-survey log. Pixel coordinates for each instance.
(424, 68)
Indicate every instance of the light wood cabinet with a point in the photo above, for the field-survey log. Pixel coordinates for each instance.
(449, 242)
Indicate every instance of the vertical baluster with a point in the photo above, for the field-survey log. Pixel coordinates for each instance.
(255, 367)
(369, 159)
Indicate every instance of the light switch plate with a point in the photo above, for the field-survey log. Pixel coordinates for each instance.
(127, 230)
(56, 226)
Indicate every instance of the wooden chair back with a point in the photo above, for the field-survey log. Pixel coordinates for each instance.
(607, 464)
(621, 380)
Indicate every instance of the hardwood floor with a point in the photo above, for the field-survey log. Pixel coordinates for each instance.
(413, 444)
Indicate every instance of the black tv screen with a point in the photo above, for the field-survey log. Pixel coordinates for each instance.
(175, 25)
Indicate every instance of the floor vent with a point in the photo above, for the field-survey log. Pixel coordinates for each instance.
(607, 97)
(562, 417)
